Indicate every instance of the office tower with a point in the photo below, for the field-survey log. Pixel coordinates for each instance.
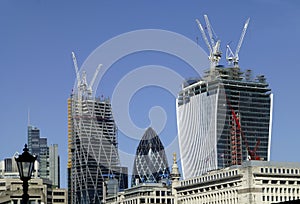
(33, 140)
(223, 119)
(48, 159)
(54, 167)
(150, 163)
(93, 147)
(38, 146)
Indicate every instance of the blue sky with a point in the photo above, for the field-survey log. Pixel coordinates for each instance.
(37, 38)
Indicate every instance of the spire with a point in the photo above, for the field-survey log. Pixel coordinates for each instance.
(175, 175)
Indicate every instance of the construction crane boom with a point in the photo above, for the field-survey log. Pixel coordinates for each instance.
(241, 39)
(209, 30)
(234, 57)
(204, 36)
(76, 69)
(213, 45)
(94, 78)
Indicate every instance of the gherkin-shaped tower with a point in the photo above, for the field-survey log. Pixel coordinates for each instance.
(150, 164)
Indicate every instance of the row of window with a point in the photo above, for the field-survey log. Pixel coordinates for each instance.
(211, 199)
(213, 188)
(281, 190)
(282, 182)
(279, 171)
(209, 178)
(150, 200)
(279, 198)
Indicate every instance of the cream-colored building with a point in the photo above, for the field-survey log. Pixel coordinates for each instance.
(253, 182)
(40, 190)
(144, 193)
(11, 190)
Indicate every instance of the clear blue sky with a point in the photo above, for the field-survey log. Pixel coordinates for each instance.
(37, 38)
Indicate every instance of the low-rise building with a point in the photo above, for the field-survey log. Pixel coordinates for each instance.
(59, 196)
(144, 193)
(11, 190)
(253, 182)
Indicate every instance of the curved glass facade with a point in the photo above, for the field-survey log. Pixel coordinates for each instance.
(209, 137)
(150, 163)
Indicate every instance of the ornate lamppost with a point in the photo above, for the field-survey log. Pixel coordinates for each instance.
(25, 163)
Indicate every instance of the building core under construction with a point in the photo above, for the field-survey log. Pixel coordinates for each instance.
(225, 117)
(93, 146)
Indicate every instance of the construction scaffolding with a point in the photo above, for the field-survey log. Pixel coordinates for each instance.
(93, 145)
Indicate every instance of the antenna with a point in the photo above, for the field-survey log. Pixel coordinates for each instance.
(28, 117)
(234, 58)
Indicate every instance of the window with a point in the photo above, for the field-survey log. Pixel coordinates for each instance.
(265, 181)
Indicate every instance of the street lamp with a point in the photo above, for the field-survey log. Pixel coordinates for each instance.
(25, 163)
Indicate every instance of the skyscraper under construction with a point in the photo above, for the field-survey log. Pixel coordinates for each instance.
(224, 117)
(93, 147)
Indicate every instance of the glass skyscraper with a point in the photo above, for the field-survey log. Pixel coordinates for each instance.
(93, 147)
(223, 119)
(48, 159)
(150, 163)
(38, 146)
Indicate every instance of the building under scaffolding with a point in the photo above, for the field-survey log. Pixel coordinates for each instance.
(93, 146)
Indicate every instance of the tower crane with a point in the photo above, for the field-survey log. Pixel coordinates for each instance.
(90, 89)
(213, 44)
(233, 58)
(82, 84)
(76, 69)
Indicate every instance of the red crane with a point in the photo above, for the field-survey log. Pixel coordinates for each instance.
(251, 153)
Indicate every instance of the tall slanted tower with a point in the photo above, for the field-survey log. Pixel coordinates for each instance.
(93, 146)
(225, 117)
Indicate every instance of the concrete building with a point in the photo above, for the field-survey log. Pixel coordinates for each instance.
(40, 190)
(217, 119)
(11, 190)
(93, 146)
(59, 196)
(54, 165)
(253, 182)
(143, 193)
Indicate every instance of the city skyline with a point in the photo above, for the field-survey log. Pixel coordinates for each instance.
(37, 39)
